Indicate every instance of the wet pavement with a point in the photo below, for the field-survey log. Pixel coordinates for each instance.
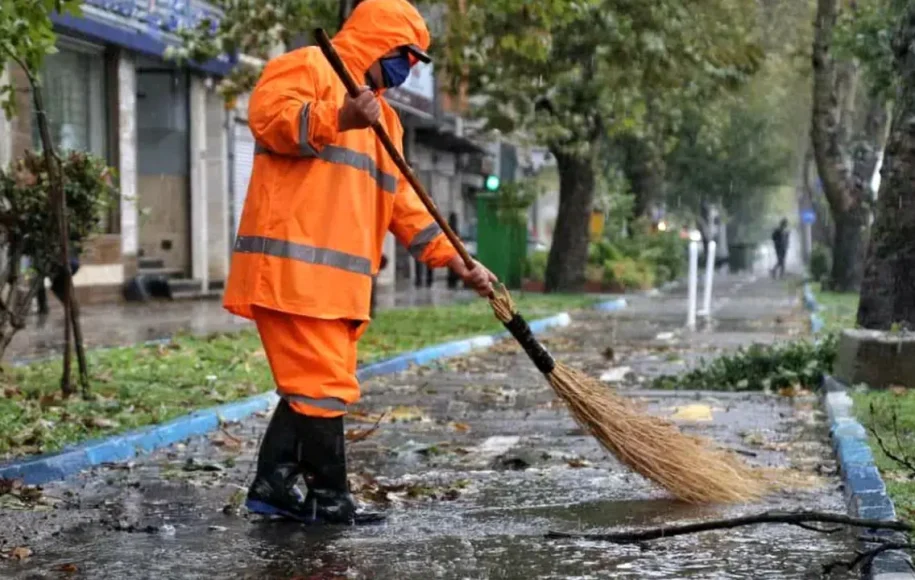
(475, 461)
(132, 323)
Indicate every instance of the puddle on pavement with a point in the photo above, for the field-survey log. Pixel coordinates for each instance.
(494, 534)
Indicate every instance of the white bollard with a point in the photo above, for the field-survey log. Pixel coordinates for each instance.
(692, 283)
(709, 275)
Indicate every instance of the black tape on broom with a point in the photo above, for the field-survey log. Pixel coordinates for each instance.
(518, 328)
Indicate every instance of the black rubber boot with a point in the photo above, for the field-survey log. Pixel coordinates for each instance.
(324, 459)
(273, 491)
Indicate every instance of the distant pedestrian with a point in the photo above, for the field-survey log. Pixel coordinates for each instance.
(780, 240)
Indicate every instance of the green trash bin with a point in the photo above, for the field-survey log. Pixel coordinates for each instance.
(501, 245)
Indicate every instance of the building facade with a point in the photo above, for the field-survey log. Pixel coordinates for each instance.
(108, 90)
(183, 160)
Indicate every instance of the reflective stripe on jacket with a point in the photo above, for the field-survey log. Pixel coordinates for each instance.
(320, 201)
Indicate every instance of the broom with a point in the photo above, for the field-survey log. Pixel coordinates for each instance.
(686, 466)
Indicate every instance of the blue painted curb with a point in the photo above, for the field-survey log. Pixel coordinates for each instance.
(44, 468)
(611, 305)
(865, 490)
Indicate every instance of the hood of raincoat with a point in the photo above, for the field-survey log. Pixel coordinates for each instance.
(376, 27)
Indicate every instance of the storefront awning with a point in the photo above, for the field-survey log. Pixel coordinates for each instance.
(146, 27)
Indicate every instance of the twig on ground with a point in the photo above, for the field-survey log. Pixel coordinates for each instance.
(356, 435)
(814, 528)
(864, 558)
(802, 519)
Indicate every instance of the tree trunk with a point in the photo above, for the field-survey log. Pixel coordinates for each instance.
(848, 250)
(846, 198)
(565, 271)
(889, 283)
(58, 202)
(870, 142)
(643, 168)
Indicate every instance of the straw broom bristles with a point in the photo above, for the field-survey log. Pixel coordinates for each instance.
(688, 467)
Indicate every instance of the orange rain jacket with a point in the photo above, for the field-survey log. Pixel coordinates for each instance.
(320, 201)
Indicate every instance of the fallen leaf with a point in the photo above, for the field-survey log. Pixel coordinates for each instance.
(359, 434)
(47, 401)
(30, 493)
(695, 412)
(897, 390)
(70, 568)
(193, 465)
(461, 427)
(9, 485)
(20, 553)
(407, 414)
(577, 462)
(225, 439)
(102, 423)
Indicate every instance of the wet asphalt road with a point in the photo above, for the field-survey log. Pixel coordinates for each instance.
(475, 462)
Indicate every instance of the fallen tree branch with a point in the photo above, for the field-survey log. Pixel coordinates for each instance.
(866, 557)
(802, 519)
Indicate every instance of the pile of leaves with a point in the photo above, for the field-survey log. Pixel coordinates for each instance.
(367, 488)
(796, 364)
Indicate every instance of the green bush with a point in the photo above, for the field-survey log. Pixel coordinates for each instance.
(602, 251)
(535, 265)
(761, 368)
(594, 273)
(820, 262)
(664, 251)
(629, 273)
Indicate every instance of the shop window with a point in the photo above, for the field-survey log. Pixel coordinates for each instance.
(74, 90)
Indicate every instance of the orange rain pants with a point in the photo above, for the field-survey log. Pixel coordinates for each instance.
(313, 360)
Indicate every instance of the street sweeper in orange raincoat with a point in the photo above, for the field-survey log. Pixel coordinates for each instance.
(323, 195)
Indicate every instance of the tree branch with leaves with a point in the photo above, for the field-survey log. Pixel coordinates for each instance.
(571, 74)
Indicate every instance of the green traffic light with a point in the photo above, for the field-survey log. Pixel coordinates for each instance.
(492, 182)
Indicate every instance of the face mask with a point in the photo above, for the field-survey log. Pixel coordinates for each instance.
(395, 70)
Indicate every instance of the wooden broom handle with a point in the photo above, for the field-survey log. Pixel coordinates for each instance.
(328, 49)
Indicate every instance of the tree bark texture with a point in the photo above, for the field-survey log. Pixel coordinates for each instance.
(846, 196)
(888, 290)
(565, 271)
(870, 142)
